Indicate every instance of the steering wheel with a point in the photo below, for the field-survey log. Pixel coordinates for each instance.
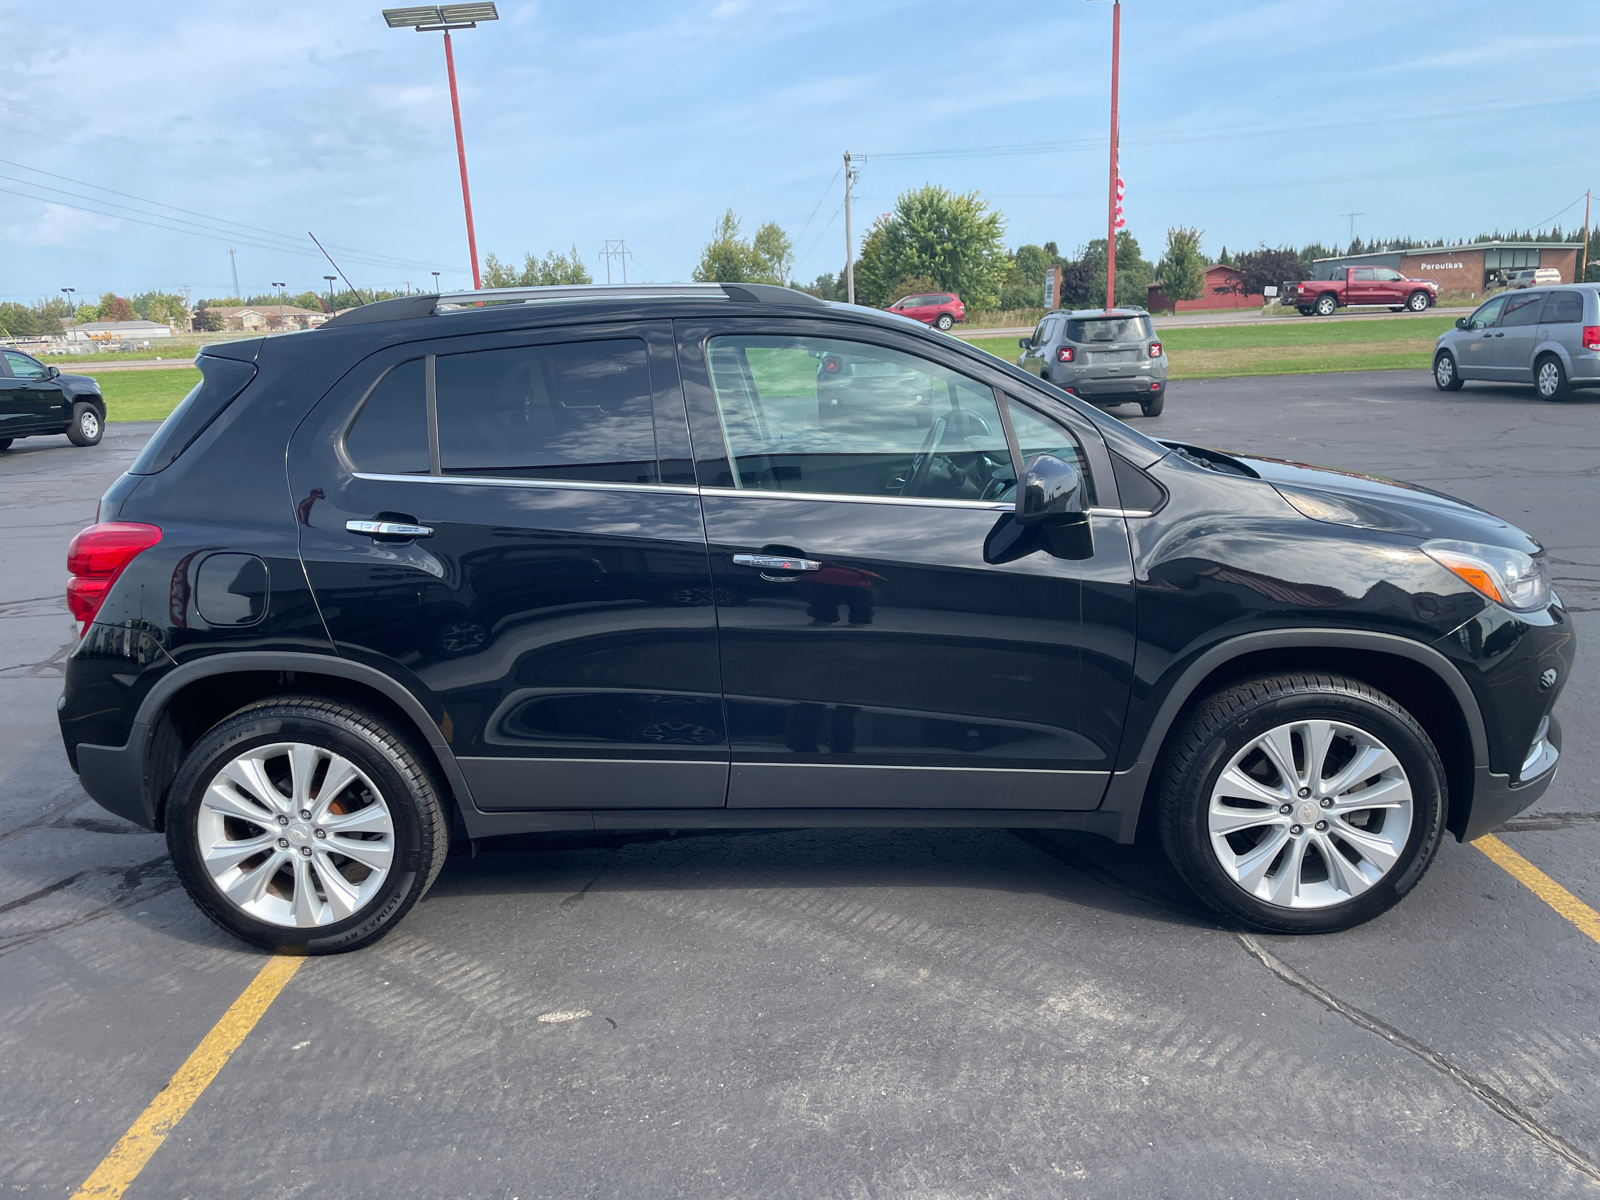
(920, 465)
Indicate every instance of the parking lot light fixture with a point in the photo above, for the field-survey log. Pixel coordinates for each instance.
(280, 287)
(330, 279)
(442, 19)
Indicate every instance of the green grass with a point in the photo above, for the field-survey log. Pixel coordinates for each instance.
(143, 395)
(1398, 343)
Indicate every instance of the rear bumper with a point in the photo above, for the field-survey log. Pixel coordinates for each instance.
(114, 778)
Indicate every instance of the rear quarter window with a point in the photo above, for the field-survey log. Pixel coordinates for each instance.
(221, 382)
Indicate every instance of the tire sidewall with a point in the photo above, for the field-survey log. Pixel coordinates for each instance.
(1444, 357)
(944, 322)
(1325, 306)
(1198, 862)
(75, 432)
(1561, 378)
(248, 730)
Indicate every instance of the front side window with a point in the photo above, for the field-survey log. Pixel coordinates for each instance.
(1562, 308)
(570, 411)
(1388, 276)
(1037, 434)
(1488, 314)
(24, 367)
(1089, 330)
(835, 417)
(1523, 310)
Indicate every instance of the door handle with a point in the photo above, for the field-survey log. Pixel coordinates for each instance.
(389, 529)
(776, 562)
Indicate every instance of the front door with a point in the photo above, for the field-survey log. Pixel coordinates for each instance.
(1475, 352)
(1519, 337)
(890, 637)
(1363, 286)
(37, 403)
(498, 522)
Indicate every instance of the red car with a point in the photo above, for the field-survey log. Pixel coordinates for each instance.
(939, 309)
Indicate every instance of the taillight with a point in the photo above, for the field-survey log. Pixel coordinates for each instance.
(1064, 354)
(831, 364)
(1155, 349)
(1591, 337)
(97, 556)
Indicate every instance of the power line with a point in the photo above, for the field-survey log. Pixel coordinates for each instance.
(818, 204)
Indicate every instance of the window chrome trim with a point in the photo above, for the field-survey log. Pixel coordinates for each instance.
(588, 485)
(911, 501)
(1118, 512)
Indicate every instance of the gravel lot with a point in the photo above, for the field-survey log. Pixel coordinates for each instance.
(827, 1013)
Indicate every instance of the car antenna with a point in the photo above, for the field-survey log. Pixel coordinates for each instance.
(336, 267)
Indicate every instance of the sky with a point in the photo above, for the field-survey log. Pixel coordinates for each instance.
(172, 133)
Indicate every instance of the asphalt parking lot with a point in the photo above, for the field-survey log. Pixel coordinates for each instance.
(857, 1014)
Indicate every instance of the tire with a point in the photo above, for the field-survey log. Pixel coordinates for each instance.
(1304, 311)
(943, 322)
(1225, 850)
(88, 425)
(1326, 305)
(1446, 376)
(388, 810)
(1153, 406)
(1550, 379)
(1419, 302)
(5, 443)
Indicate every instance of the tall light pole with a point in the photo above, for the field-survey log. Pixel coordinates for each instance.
(435, 283)
(442, 19)
(72, 312)
(1111, 202)
(280, 288)
(330, 279)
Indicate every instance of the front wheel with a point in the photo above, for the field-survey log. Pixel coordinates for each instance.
(86, 427)
(1153, 404)
(1326, 306)
(1302, 803)
(305, 826)
(1550, 378)
(944, 321)
(1418, 302)
(1445, 376)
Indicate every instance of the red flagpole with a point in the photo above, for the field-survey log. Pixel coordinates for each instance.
(1111, 204)
(461, 153)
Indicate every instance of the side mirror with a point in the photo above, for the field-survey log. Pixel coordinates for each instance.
(1461, 322)
(1050, 489)
(52, 372)
(1024, 343)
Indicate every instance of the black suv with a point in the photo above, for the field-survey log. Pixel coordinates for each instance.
(592, 558)
(36, 399)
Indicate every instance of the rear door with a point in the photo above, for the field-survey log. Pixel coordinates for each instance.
(1041, 344)
(38, 404)
(1518, 337)
(1475, 351)
(1561, 322)
(508, 525)
(890, 638)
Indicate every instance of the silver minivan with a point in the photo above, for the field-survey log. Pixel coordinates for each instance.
(1107, 357)
(1549, 337)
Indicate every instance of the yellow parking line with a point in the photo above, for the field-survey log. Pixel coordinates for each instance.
(1541, 885)
(144, 1137)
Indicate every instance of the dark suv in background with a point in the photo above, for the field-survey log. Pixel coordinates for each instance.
(36, 400)
(599, 558)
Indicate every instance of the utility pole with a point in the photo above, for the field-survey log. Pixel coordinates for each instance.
(188, 313)
(234, 263)
(1583, 249)
(1111, 203)
(616, 249)
(1352, 216)
(850, 176)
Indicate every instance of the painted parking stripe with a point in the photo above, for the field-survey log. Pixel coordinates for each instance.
(144, 1137)
(1541, 885)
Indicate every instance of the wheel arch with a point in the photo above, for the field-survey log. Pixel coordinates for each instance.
(195, 696)
(1415, 675)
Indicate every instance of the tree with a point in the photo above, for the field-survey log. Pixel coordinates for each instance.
(206, 321)
(18, 320)
(728, 258)
(911, 285)
(85, 314)
(115, 308)
(160, 306)
(1183, 267)
(552, 270)
(1134, 274)
(1024, 282)
(1267, 267)
(951, 239)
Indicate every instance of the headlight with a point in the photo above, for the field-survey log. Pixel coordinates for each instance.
(1509, 577)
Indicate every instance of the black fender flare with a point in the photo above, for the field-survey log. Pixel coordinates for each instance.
(116, 777)
(1125, 792)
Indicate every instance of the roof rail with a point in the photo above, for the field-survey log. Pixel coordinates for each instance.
(403, 308)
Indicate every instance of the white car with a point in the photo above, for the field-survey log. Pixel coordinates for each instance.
(1533, 277)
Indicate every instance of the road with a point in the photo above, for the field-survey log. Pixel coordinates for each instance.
(817, 1013)
(1244, 316)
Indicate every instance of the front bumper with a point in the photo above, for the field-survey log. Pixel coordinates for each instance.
(1496, 798)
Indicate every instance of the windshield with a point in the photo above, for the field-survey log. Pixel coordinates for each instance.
(1108, 329)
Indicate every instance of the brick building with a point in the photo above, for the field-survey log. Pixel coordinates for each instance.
(1473, 268)
(1223, 288)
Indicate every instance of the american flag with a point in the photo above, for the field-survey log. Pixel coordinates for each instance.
(1119, 223)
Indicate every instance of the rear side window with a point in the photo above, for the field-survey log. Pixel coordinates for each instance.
(1523, 310)
(1562, 308)
(1088, 330)
(575, 411)
(221, 381)
(390, 434)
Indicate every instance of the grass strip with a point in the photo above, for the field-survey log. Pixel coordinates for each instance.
(143, 395)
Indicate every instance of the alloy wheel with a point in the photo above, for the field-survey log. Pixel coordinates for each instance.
(1419, 302)
(1444, 370)
(295, 835)
(1549, 378)
(1310, 814)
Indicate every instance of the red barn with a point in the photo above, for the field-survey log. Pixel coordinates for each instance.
(1223, 288)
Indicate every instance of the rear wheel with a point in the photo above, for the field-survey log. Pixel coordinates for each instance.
(1302, 803)
(944, 321)
(1326, 306)
(1445, 376)
(1153, 404)
(305, 826)
(1418, 302)
(1550, 378)
(1304, 311)
(87, 427)
(5, 443)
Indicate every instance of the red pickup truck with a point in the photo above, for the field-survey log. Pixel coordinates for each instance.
(1354, 286)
